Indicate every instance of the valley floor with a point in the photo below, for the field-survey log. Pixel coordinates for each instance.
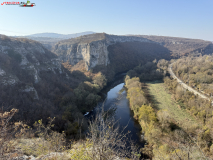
(162, 99)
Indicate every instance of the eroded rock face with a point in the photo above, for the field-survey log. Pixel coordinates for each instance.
(31, 78)
(22, 54)
(91, 48)
(97, 54)
(21, 62)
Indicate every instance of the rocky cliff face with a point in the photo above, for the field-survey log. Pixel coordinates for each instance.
(91, 48)
(22, 60)
(33, 80)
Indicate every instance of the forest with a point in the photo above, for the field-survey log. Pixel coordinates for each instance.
(166, 137)
(196, 72)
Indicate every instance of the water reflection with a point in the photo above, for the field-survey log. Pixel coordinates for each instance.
(117, 107)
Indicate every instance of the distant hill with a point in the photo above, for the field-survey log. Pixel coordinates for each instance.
(50, 39)
(182, 46)
(61, 36)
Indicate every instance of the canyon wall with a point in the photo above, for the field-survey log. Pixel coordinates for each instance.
(93, 52)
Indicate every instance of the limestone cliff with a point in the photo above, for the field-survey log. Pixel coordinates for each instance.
(33, 80)
(22, 60)
(91, 48)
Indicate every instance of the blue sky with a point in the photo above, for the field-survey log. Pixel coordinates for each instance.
(179, 18)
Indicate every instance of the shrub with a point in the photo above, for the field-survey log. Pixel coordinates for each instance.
(147, 114)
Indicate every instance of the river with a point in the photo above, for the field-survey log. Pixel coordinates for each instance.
(117, 103)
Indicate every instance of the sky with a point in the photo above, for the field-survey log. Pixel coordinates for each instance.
(176, 18)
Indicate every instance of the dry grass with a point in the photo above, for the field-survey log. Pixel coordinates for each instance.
(162, 100)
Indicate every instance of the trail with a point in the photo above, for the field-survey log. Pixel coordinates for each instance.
(185, 85)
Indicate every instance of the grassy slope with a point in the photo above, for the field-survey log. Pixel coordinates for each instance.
(162, 100)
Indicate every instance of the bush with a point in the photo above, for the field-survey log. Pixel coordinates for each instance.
(105, 141)
(147, 114)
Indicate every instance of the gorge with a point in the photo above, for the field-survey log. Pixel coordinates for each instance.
(65, 81)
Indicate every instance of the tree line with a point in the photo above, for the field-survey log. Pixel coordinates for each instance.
(165, 138)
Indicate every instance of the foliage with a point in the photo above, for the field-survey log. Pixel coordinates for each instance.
(196, 71)
(165, 137)
(47, 140)
(104, 141)
(8, 132)
(147, 114)
(198, 107)
(149, 71)
(135, 94)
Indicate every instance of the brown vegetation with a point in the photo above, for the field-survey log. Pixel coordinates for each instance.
(64, 92)
(196, 72)
(182, 46)
(104, 141)
(198, 107)
(165, 137)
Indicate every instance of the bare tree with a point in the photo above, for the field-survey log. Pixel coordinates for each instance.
(8, 132)
(108, 140)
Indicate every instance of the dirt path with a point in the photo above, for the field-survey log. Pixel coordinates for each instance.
(185, 85)
(162, 100)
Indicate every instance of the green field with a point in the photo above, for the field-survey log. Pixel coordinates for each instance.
(161, 99)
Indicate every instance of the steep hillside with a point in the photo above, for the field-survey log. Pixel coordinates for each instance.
(33, 80)
(23, 54)
(121, 53)
(95, 49)
(197, 72)
(24, 65)
(125, 56)
(182, 46)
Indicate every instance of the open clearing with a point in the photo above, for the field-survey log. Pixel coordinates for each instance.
(161, 99)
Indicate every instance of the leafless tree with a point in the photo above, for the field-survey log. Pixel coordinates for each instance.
(8, 132)
(108, 140)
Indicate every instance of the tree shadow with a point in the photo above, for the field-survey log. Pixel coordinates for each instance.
(151, 98)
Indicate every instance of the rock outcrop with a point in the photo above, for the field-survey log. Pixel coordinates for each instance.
(22, 60)
(33, 80)
(91, 48)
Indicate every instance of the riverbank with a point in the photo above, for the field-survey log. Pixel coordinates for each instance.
(117, 105)
(163, 122)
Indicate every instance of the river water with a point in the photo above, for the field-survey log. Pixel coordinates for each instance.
(117, 102)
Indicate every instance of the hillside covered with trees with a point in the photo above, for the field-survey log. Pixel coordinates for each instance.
(39, 86)
(196, 72)
(166, 134)
(182, 46)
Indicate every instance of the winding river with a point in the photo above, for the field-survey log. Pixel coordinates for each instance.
(117, 102)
